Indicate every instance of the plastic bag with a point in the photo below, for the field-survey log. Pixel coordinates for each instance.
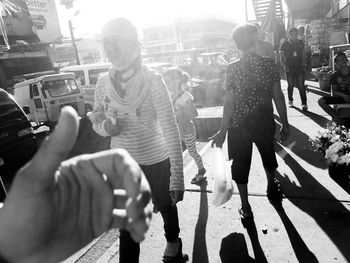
(223, 185)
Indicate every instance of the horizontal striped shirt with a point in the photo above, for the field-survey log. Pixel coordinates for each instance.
(151, 135)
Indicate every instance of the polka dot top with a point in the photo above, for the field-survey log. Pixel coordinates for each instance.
(251, 80)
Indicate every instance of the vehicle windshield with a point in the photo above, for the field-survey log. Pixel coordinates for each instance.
(9, 111)
(61, 87)
(94, 74)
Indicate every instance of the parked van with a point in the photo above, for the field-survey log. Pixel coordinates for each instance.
(87, 76)
(46, 95)
(18, 143)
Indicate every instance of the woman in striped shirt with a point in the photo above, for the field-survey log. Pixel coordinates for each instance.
(133, 106)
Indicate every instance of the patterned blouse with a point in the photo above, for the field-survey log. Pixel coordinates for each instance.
(251, 80)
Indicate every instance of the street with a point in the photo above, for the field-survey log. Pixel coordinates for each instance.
(311, 226)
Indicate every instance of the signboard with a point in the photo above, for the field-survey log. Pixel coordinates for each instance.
(67, 3)
(44, 15)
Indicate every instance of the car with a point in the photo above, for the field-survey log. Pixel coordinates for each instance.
(18, 143)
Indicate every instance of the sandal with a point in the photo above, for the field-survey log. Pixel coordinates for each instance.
(246, 219)
(198, 178)
(274, 194)
(179, 258)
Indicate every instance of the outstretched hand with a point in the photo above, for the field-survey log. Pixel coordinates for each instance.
(54, 208)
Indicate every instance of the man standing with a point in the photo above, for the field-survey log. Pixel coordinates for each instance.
(293, 61)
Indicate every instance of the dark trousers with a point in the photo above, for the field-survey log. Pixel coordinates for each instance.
(259, 128)
(158, 176)
(296, 78)
(325, 103)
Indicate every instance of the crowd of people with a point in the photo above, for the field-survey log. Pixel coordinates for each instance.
(57, 206)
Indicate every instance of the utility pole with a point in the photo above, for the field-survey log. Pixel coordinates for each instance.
(246, 10)
(73, 41)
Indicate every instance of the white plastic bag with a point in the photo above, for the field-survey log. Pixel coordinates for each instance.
(223, 185)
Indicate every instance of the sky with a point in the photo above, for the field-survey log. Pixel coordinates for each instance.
(89, 16)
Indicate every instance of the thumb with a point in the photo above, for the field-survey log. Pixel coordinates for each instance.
(53, 150)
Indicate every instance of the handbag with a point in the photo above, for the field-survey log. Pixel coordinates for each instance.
(223, 185)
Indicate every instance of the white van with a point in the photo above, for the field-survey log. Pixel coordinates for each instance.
(87, 76)
(46, 95)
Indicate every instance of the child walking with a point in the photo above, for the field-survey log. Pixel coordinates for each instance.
(185, 112)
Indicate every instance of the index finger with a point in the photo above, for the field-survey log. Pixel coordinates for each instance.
(121, 170)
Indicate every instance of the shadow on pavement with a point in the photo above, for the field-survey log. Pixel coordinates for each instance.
(254, 238)
(298, 143)
(200, 252)
(320, 120)
(234, 249)
(301, 250)
(333, 220)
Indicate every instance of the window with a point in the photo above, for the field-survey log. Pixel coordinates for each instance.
(61, 87)
(79, 76)
(9, 111)
(94, 74)
(35, 90)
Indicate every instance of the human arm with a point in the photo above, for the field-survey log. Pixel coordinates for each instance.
(283, 57)
(53, 209)
(219, 137)
(336, 91)
(167, 120)
(100, 123)
(280, 103)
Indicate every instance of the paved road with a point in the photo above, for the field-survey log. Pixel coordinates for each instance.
(313, 224)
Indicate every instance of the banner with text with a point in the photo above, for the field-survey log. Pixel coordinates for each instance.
(45, 18)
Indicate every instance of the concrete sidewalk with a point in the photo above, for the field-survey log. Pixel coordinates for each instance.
(313, 224)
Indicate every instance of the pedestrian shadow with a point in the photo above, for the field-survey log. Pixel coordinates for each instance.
(301, 250)
(319, 119)
(299, 144)
(337, 214)
(234, 249)
(254, 239)
(200, 252)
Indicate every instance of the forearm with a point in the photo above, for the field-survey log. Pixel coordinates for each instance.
(167, 120)
(280, 103)
(228, 108)
(172, 139)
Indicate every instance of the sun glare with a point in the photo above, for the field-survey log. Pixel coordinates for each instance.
(94, 14)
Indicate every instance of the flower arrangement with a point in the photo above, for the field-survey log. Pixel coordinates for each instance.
(334, 143)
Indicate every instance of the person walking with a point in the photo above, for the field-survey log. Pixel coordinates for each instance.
(251, 84)
(133, 106)
(292, 54)
(185, 112)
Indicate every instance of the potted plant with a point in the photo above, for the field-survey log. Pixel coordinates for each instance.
(334, 143)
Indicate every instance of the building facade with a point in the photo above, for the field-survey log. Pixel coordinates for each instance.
(211, 33)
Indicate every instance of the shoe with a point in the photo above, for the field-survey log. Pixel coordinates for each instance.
(198, 178)
(246, 219)
(290, 104)
(274, 194)
(179, 258)
(304, 107)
